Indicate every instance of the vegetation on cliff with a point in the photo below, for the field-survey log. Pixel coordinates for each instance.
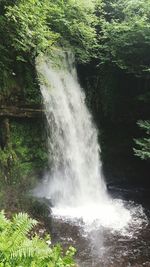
(29, 28)
(111, 40)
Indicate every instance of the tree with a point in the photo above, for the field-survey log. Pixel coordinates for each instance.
(36, 26)
(125, 35)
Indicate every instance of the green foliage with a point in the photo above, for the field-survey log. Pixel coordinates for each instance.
(26, 154)
(31, 27)
(74, 21)
(143, 144)
(28, 143)
(125, 35)
(29, 30)
(36, 26)
(17, 249)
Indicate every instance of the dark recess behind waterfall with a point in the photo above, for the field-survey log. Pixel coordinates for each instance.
(113, 97)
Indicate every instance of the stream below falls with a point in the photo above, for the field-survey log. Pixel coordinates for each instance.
(104, 247)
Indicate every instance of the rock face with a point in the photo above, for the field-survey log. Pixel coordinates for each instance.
(21, 112)
(23, 151)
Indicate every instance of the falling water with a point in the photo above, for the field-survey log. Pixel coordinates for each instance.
(75, 183)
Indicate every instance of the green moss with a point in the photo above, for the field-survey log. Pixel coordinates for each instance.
(27, 153)
(28, 142)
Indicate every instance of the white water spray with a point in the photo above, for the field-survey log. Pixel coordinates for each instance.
(75, 184)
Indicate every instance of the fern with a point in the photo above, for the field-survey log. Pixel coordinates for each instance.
(18, 250)
(3, 221)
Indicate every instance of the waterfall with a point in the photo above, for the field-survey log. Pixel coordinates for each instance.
(74, 151)
(74, 183)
